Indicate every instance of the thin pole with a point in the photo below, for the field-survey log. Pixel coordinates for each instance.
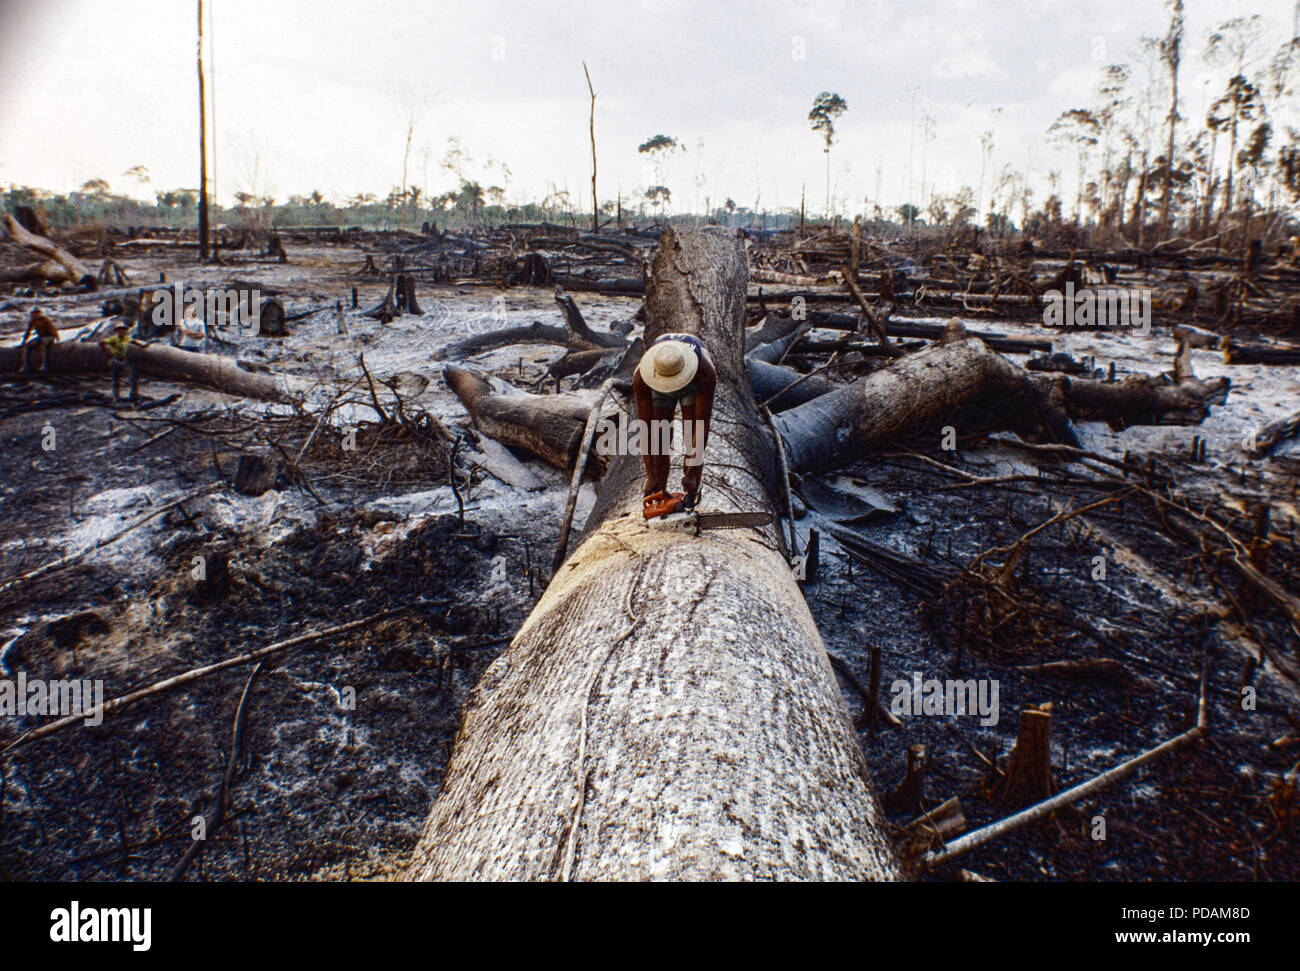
(595, 206)
(203, 150)
(212, 70)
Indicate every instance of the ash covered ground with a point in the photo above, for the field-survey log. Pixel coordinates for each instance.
(325, 789)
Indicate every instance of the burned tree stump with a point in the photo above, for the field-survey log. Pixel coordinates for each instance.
(257, 473)
(32, 220)
(1028, 776)
(910, 797)
(213, 580)
(533, 271)
(404, 293)
(275, 248)
(270, 320)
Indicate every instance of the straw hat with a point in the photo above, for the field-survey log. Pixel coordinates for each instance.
(669, 366)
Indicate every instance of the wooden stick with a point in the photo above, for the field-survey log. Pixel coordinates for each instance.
(210, 826)
(71, 558)
(579, 467)
(195, 674)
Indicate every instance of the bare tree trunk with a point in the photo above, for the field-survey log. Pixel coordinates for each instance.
(203, 150)
(668, 710)
(1172, 53)
(595, 204)
(916, 391)
(1232, 162)
(548, 426)
(164, 362)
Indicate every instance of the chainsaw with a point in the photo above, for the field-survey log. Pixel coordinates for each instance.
(675, 512)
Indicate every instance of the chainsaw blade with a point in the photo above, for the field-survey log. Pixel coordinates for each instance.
(732, 520)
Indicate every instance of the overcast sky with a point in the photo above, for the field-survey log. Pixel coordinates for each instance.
(305, 92)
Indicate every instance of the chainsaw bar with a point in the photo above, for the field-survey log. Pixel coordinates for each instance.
(732, 520)
(693, 522)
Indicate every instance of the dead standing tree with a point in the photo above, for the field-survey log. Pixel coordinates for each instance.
(668, 710)
(595, 204)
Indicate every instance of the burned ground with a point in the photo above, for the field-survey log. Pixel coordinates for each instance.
(321, 788)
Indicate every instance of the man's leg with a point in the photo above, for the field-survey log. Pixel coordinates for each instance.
(117, 380)
(45, 355)
(692, 445)
(27, 348)
(655, 452)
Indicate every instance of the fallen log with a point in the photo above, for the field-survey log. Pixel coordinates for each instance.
(548, 426)
(578, 362)
(535, 333)
(773, 351)
(164, 362)
(579, 284)
(46, 271)
(77, 271)
(668, 710)
(1234, 353)
(579, 332)
(782, 387)
(911, 395)
(914, 392)
(773, 327)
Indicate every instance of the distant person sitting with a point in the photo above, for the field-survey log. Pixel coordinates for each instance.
(46, 334)
(191, 333)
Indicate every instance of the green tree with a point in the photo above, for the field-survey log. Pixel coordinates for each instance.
(660, 150)
(826, 108)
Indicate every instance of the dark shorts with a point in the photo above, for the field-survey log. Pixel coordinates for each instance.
(685, 398)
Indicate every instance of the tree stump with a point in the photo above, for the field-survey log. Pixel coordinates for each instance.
(257, 473)
(270, 321)
(1028, 776)
(910, 797)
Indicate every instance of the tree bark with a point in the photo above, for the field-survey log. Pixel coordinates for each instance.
(668, 710)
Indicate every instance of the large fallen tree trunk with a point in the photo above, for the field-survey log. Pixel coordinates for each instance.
(668, 710)
(160, 361)
(915, 391)
(912, 394)
(77, 271)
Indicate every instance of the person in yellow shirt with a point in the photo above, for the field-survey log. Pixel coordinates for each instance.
(116, 348)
